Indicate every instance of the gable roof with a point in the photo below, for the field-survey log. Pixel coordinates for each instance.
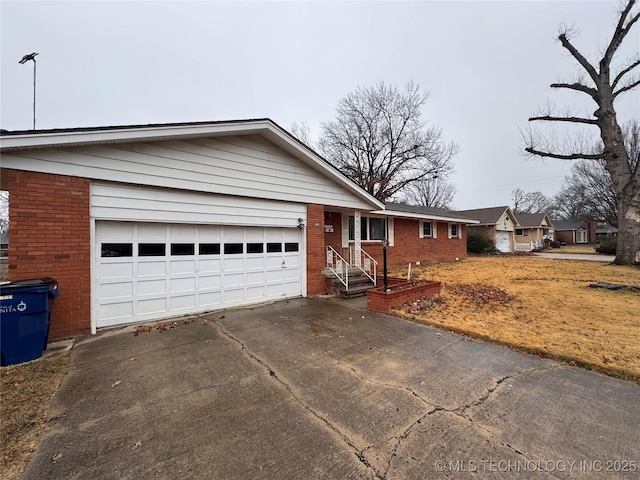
(488, 216)
(569, 224)
(533, 220)
(427, 213)
(85, 136)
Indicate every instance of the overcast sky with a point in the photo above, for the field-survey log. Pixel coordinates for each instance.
(486, 65)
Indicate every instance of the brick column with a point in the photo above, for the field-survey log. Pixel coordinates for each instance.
(316, 254)
(49, 236)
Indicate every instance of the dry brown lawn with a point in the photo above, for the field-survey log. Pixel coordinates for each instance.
(542, 306)
(25, 394)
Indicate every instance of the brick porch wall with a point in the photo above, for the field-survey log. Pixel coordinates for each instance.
(49, 236)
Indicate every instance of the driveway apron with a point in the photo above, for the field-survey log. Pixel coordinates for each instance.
(320, 388)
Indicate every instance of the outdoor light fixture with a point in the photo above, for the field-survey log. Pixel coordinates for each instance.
(25, 59)
(301, 223)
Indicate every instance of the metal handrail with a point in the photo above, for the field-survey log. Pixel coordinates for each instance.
(366, 262)
(339, 266)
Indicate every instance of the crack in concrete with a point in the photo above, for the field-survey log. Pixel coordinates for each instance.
(460, 411)
(358, 452)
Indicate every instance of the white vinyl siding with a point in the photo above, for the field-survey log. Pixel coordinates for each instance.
(129, 202)
(242, 166)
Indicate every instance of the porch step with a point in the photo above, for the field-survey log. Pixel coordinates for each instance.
(359, 284)
(358, 291)
(353, 272)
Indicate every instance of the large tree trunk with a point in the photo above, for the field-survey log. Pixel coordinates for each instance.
(628, 252)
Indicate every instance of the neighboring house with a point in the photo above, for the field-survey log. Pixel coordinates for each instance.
(604, 229)
(533, 231)
(146, 222)
(498, 223)
(575, 230)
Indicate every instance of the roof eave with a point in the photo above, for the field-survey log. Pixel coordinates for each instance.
(136, 134)
(394, 213)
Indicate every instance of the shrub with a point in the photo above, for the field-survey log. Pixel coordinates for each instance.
(479, 242)
(608, 246)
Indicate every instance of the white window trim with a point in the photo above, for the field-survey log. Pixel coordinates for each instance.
(434, 229)
(345, 231)
(457, 229)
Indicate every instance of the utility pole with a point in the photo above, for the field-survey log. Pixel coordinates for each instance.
(25, 59)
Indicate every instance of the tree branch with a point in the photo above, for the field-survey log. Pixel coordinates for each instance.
(588, 121)
(577, 86)
(623, 72)
(620, 32)
(578, 56)
(626, 87)
(571, 156)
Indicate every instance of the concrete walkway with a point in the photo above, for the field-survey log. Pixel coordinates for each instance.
(322, 389)
(577, 256)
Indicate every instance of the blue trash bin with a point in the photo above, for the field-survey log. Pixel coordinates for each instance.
(25, 311)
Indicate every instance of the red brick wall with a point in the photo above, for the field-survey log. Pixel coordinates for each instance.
(408, 247)
(334, 239)
(49, 236)
(316, 256)
(380, 301)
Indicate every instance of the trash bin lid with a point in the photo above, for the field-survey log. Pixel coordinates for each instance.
(29, 283)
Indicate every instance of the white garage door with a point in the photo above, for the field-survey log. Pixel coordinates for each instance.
(503, 242)
(149, 271)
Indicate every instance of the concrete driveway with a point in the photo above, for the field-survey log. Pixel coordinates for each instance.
(323, 389)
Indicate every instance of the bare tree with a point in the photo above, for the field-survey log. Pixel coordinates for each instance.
(604, 86)
(529, 202)
(379, 140)
(589, 190)
(303, 133)
(434, 192)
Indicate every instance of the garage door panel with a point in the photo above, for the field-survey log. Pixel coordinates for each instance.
(116, 290)
(155, 271)
(152, 287)
(253, 293)
(253, 278)
(233, 280)
(116, 270)
(255, 263)
(183, 284)
(151, 231)
(233, 296)
(151, 305)
(183, 266)
(112, 312)
(151, 268)
(210, 299)
(182, 302)
(206, 266)
(209, 282)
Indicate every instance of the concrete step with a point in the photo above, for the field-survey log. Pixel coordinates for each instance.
(355, 291)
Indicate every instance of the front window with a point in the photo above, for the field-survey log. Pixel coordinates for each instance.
(370, 228)
(519, 232)
(454, 230)
(427, 229)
